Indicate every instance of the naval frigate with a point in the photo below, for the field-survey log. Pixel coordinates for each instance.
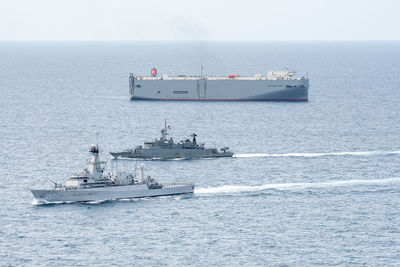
(275, 86)
(92, 185)
(165, 148)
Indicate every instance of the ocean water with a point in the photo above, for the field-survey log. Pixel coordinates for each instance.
(311, 184)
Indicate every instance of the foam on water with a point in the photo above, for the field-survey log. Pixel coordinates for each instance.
(311, 155)
(292, 186)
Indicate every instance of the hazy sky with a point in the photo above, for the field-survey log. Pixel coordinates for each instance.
(199, 20)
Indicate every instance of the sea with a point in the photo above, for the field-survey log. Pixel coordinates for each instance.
(312, 183)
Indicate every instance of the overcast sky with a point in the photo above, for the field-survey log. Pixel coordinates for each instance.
(199, 20)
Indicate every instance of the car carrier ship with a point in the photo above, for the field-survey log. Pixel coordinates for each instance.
(275, 86)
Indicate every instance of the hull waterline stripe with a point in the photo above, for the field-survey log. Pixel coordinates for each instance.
(102, 200)
(196, 99)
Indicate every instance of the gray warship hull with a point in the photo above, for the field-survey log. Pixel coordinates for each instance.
(217, 89)
(108, 193)
(171, 154)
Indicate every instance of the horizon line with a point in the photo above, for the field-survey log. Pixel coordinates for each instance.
(208, 40)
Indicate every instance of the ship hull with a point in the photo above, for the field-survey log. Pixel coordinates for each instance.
(171, 154)
(219, 90)
(107, 193)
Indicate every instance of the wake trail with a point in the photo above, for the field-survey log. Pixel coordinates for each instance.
(293, 186)
(311, 155)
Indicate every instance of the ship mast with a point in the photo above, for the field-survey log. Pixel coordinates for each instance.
(164, 132)
(140, 173)
(95, 168)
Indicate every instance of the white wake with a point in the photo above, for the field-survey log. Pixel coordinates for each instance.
(291, 186)
(310, 155)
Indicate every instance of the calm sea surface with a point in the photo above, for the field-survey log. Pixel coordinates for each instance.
(315, 183)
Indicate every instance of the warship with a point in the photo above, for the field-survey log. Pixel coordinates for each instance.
(165, 148)
(283, 85)
(92, 185)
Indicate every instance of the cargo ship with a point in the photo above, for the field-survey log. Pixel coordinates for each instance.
(275, 86)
